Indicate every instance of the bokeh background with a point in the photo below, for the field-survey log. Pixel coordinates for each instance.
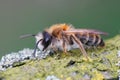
(18, 17)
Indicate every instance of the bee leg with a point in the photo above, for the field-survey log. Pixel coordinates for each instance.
(80, 46)
(54, 48)
(64, 47)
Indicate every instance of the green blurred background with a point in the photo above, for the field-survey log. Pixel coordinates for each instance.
(18, 17)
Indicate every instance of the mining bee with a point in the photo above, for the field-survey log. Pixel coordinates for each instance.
(68, 35)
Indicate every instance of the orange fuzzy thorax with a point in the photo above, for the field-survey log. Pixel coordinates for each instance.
(63, 27)
(56, 29)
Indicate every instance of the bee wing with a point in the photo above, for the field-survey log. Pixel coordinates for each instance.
(92, 31)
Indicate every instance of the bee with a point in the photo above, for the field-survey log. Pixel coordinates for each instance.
(69, 35)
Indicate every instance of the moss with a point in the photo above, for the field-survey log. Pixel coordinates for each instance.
(101, 60)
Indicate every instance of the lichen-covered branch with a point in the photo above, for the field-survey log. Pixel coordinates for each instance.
(104, 63)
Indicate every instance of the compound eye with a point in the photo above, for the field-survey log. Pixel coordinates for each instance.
(47, 39)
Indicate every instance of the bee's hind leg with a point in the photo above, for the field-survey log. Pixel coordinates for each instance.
(80, 46)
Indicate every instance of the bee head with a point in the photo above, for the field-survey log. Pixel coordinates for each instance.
(47, 39)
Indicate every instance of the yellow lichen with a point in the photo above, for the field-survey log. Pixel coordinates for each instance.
(69, 78)
(97, 76)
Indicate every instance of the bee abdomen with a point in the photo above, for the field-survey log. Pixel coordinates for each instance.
(102, 44)
(98, 41)
(90, 39)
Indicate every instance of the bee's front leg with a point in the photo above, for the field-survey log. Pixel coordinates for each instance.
(54, 48)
